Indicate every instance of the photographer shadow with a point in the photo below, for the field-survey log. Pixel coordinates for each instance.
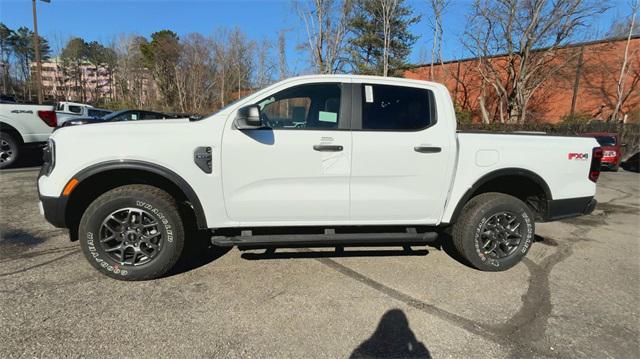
(393, 338)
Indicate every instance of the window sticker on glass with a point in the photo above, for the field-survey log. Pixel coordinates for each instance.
(134, 116)
(328, 117)
(368, 93)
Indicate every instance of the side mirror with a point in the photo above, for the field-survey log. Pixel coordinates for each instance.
(248, 118)
(623, 145)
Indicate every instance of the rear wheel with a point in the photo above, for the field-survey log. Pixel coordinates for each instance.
(494, 231)
(9, 150)
(132, 232)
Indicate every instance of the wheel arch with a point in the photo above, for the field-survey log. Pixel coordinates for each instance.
(5, 127)
(99, 178)
(521, 183)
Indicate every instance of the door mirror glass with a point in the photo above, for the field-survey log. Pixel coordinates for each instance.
(248, 118)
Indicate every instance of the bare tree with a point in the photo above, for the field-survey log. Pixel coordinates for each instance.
(626, 66)
(437, 8)
(265, 66)
(388, 9)
(233, 54)
(326, 24)
(528, 34)
(195, 74)
(242, 54)
(282, 55)
(133, 82)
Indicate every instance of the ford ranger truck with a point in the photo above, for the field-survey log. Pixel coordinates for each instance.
(311, 161)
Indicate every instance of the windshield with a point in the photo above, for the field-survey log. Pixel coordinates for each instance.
(606, 140)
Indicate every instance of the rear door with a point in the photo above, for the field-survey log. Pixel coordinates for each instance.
(402, 155)
(297, 170)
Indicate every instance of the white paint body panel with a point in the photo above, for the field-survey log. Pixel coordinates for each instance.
(279, 180)
(390, 181)
(24, 118)
(547, 156)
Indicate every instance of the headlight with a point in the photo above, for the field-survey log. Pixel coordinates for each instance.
(48, 157)
(609, 153)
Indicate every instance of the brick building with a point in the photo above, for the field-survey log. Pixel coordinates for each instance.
(586, 85)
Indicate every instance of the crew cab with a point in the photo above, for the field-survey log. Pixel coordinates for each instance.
(23, 125)
(311, 161)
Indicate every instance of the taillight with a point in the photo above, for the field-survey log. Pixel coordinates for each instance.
(596, 159)
(49, 117)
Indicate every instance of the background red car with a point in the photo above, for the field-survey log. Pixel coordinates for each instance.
(610, 149)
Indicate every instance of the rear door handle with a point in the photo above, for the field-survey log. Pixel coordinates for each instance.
(427, 149)
(328, 148)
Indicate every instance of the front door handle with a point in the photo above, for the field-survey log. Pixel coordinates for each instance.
(327, 148)
(427, 149)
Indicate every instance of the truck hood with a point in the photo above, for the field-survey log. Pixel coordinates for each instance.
(128, 130)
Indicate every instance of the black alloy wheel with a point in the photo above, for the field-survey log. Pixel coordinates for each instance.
(501, 235)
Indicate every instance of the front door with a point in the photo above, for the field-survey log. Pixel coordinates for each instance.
(297, 170)
(402, 156)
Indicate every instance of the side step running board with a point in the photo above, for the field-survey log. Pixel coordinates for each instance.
(248, 240)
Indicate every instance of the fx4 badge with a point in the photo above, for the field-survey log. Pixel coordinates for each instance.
(578, 156)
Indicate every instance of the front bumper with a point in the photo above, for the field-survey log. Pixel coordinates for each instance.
(53, 209)
(570, 207)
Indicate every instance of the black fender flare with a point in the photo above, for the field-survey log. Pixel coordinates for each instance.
(511, 171)
(168, 174)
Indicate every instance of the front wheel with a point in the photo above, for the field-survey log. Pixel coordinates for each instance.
(494, 231)
(132, 232)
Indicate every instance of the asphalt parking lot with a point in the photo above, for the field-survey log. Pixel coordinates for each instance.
(575, 295)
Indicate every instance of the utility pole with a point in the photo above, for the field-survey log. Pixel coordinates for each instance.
(36, 44)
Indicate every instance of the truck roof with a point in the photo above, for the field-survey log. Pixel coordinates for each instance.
(363, 78)
(75, 103)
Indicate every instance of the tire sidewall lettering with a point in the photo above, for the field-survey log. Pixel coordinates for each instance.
(161, 218)
(93, 251)
(529, 235)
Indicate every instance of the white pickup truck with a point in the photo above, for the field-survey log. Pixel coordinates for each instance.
(66, 111)
(311, 161)
(22, 126)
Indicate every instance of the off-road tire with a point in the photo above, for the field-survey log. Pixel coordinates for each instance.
(155, 202)
(467, 230)
(10, 140)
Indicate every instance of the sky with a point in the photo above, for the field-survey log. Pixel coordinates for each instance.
(105, 20)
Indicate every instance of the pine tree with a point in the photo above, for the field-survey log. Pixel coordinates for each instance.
(367, 45)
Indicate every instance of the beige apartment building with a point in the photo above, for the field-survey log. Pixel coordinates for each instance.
(88, 83)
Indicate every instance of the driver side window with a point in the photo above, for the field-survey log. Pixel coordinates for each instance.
(314, 106)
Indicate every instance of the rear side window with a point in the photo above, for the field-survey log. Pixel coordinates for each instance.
(75, 109)
(396, 108)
